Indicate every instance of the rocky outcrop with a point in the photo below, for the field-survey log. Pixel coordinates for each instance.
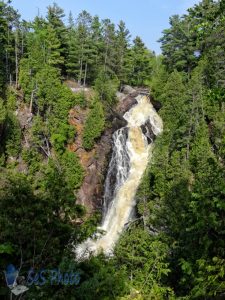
(147, 131)
(120, 96)
(126, 104)
(91, 191)
(127, 89)
(94, 162)
(157, 105)
(24, 117)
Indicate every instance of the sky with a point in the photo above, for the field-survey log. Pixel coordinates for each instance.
(145, 18)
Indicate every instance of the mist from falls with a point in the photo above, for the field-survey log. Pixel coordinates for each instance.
(132, 152)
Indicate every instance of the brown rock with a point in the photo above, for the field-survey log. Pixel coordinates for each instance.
(126, 104)
(127, 89)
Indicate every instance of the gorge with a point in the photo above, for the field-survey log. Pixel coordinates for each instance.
(132, 151)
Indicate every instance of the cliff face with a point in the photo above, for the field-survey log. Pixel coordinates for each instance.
(95, 162)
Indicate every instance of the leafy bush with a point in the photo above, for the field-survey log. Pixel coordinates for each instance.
(80, 99)
(13, 136)
(2, 112)
(72, 169)
(94, 125)
(106, 88)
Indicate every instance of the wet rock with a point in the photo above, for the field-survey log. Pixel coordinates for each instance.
(127, 89)
(143, 91)
(117, 123)
(126, 104)
(120, 96)
(147, 131)
(156, 104)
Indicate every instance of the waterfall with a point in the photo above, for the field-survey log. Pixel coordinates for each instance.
(131, 153)
(118, 168)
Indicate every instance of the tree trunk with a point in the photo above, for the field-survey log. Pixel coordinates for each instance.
(81, 66)
(16, 57)
(32, 97)
(106, 55)
(85, 74)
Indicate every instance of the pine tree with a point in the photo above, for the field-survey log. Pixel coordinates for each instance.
(72, 64)
(179, 45)
(54, 57)
(55, 18)
(109, 53)
(122, 44)
(139, 63)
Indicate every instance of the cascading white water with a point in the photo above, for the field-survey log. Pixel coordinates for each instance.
(131, 154)
(118, 168)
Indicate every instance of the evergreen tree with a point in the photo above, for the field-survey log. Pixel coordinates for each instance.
(179, 45)
(53, 55)
(139, 63)
(55, 18)
(109, 52)
(122, 44)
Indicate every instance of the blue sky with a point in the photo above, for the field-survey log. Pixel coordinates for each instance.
(146, 18)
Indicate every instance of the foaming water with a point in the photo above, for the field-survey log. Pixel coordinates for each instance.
(131, 154)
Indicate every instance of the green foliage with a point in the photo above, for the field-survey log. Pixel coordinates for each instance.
(33, 159)
(52, 100)
(179, 45)
(209, 280)
(13, 136)
(26, 217)
(185, 186)
(140, 63)
(65, 133)
(94, 124)
(80, 99)
(6, 248)
(181, 198)
(159, 77)
(25, 79)
(2, 112)
(72, 169)
(144, 263)
(54, 57)
(106, 88)
(11, 99)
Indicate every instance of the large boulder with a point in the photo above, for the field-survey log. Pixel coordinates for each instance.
(126, 104)
(120, 96)
(127, 89)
